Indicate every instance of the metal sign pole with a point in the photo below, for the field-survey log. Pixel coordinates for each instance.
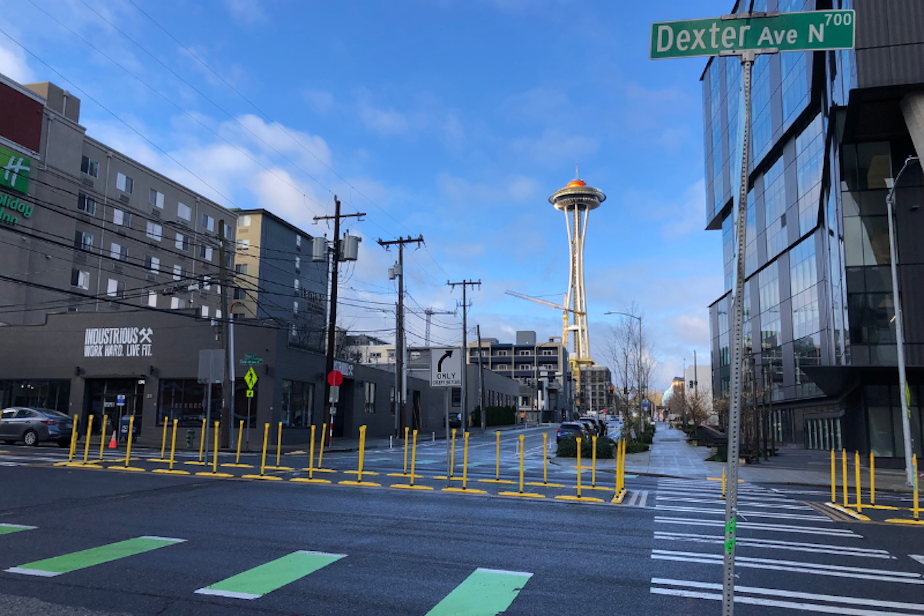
(734, 419)
(447, 395)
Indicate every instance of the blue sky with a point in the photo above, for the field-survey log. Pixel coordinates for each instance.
(455, 119)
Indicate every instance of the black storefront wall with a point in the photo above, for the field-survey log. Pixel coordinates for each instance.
(151, 358)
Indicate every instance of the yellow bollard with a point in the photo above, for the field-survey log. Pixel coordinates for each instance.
(265, 439)
(844, 473)
(102, 437)
(310, 469)
(237, 458)
(172, 454)
(406, 429)
(279, 452)
(579, 467)
(215, 455)
(914, 469)
(521, 492)
(86, 448)
(723, 482)
(70, 457)
(620, 494)
(452, 456)
(622, 465)
(856, 464)
(362, 459)
(593, 464)
(872, 478)
(201, 445)
(163, 444)
(465, 461)
(833, 478)
(411, 486)
(128, 449)
(497, 478)
(545, 470)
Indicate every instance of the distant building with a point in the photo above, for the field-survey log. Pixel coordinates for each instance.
(596, 395)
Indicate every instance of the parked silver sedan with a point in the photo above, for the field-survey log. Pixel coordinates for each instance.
(33, 426)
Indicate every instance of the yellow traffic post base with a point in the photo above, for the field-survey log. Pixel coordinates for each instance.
(411, 486)
(408, 476)
(586, 499)
(263, 477)
(846, 511)
(464, 490)
(905, 521)
(445, 478)
(359, 471)
(128, 451)
(308, 480)
(274, 468)
(505, 481)
(236, 465)
(352, 472)
(539, 484)
(521, 492)
(215, 472)
(620, 496)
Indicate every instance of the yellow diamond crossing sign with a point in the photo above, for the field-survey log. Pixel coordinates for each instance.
(251, 378)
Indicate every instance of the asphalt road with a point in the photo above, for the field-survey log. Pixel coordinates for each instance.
(280, 547)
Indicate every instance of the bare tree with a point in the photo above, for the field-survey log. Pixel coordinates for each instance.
(632, 355)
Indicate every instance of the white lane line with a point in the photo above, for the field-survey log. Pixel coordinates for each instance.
(749, 514)
(35, 572)
(712, 501)
(632, 500)
(227, 593)
(503, 572)
(24, 527)
(779, 528)
(778, 545)
(790, 594)
(919, 559)
(859, 573)
(644, 499)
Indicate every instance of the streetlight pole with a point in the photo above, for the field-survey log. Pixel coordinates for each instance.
(899, 338)
(638, 364)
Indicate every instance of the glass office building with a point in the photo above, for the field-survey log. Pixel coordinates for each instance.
(829, 132)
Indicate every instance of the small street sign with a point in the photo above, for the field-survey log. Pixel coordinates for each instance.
(335, 378)
(120, 400)
(714, 36)
(445, 367)
(250, 393)
(251, 379)
(334, 396)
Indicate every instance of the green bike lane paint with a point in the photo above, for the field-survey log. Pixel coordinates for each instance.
(265, 578)
(486, 592)
(6, 529)
(51, 567)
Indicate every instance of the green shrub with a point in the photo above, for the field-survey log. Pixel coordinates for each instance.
(606, 448)
(636, 447)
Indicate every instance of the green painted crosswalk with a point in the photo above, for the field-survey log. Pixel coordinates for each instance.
(486, 592)
(6, 529)
(256, 582)
(75, 561)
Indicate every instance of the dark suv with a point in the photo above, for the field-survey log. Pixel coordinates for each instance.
(570, 429)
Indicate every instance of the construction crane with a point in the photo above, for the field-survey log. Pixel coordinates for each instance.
(430, 312)
(543, 302)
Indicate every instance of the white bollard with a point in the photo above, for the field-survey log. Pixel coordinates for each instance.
(389, 442)
(434, 437)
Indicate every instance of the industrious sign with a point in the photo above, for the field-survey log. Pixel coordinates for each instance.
(117, 342)
(783, 32)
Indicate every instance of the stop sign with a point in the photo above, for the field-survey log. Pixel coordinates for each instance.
(335, 378)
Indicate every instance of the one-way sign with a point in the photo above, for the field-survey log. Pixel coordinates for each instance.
(445, 367)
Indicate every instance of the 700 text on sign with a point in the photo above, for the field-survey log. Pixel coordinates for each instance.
(802, 31)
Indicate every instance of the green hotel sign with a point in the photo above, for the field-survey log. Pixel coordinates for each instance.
(805, 31)
(14, 174)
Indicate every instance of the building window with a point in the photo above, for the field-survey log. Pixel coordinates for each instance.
(154, 231)
(86, 204)
(156, 198)
(125, 183)
(204, 312)
(208, 223)
(524, 367)
(182, 242)
(122, 219)
(89, 166)
(295, 308)
(243, 244)
(298, 265)
(370, 397)
(239, 293)
(183, 211)
(244, 221)
(503, 367)
(297, 402)
(177, 303)
(502, 353)
(118, 252)
(205, 252)
(521, 352)
(298, 241)
(179, 272)
(83, 241)
(229, 234)
(151, 263)
(206, 282)
(240, 268)
(296, 286)
(548, 352)
(152, 299)
(115, 288)
(80, 279)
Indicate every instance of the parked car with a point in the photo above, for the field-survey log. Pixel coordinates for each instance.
(571, 429)
(455, 420)
(35, 425)
(589, 426)
(595, 428)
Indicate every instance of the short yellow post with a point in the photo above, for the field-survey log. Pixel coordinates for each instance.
(163, 442)
(70, 456)
(844, 473)
(856, 464)
(278, 444)
(593, 465)
(465, 462)
(311, 455)
(914, 481)
(723, 482)
(497, 465)
(545, 457)
(215, 456)
(362, 447)
(521, 463)
(622, 466)
(872, 478)
(202, 439)
(128, 449)
(265, 440)
(579, 466)
(618, 464)
(102, 436)
(173, 444)
(833, 478)
(452, 456)
(86, 447)
(240, 435)
(406, 430)
(321, 452)
(414, 457)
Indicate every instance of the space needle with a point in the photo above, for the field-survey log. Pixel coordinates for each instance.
(576, 200)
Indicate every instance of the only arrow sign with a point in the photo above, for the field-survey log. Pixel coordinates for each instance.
(439, 366)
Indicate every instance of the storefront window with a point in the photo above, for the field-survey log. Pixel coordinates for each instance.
(51, 394)
(297, 402)
(185, 401)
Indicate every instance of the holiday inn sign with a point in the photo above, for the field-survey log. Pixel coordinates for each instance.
(14, 174)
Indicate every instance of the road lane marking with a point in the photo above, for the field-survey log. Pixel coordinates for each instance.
(75, 561)
(6, 529)
(264, 579)
(769, 544)
(779, 528)
(755, 503)
(749, 514)
(917, 558)
(789, 594)
(486, 592)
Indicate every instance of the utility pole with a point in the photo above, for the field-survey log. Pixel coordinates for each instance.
(400, 368)
(329, 412)
(484, 411)
(464, 284)
(227, 388)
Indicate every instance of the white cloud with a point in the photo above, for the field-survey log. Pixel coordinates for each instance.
(246, 12)
(13, 63)
(385, 122)
(320, 100)
(556, 148)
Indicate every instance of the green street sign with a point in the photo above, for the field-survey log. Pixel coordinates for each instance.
(805, 31)
(14, 170)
